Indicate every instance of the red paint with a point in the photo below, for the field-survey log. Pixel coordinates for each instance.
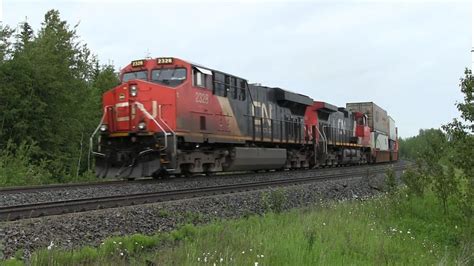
(181, 106)
(310, 120)
(362, 131)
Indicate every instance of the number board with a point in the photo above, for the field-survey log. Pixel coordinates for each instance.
(138, 63)
(164, 60)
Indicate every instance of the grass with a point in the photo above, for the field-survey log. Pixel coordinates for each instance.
(394, 229)
(380, 231)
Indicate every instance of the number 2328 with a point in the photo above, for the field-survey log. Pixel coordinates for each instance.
(202, 98)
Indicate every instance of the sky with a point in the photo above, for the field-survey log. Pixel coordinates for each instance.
(406, 56)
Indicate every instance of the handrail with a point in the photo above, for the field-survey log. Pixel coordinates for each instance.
(325, 140)
(147, 114)
(166, 124)
(91, 139)
(142, 108)
(161, 119)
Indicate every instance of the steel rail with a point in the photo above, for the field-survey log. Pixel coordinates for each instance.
(53, 187)
(10, 213)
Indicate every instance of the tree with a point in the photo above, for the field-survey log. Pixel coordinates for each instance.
(461, 135)
(5, 43)
(105, 78)
(47, 94)
(25, 37)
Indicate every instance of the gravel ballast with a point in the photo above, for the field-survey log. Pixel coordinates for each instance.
(91, 228)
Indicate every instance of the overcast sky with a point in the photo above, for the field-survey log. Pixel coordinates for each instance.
(406, 56)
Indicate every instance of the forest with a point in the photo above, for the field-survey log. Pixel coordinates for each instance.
(50, 102)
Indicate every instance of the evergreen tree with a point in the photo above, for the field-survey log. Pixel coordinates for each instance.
(5, 43)
(24, 38)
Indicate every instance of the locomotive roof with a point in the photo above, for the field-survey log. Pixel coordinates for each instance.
(214, 70)
(286, 95)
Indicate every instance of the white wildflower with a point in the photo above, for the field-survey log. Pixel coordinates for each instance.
(51, 245)
(205, 259)
(256, 264)
(324, 224)
(243, 252)
(261, 255)
(250, 249)
(221, 260)
(121, 253)
(199, 259)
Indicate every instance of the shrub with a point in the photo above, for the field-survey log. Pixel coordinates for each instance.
(16, 168)
(274, 201)
(390, 180)
(187, 231)
(445, 185)
(414, 180)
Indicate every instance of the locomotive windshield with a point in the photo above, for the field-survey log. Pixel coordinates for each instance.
(135, 75)
(169, 76)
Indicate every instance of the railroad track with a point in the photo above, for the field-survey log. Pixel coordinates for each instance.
(53, 187)
(10, 213)
(69, 186)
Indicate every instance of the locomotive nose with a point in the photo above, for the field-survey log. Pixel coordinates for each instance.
(124, 108)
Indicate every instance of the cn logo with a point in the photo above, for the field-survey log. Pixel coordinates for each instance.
(264, 112)
(125, 111)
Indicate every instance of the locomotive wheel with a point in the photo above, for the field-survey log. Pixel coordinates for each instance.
(162, 174)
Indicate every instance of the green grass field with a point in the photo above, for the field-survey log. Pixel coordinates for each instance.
(387, 230)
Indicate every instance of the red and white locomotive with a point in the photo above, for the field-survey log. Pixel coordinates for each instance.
(170, 116)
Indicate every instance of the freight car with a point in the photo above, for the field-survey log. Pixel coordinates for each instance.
(170, 116)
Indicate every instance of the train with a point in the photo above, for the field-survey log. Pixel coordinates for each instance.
(171, 117)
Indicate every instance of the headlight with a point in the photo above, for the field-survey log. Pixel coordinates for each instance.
(104, 128)
(133, 90)
(142, 126)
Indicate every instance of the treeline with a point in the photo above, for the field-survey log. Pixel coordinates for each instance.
(50, 101)
(444, 157)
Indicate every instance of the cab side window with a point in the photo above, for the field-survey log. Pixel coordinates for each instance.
(199, 78)
(242, 90)
(220, 88)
